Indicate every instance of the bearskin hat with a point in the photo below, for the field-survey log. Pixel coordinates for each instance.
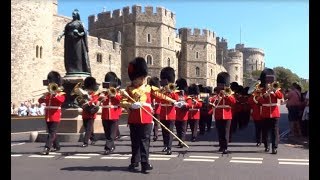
(223, 78)
(137, 68)
(267, 73)
(91, 83)
(234, 86)
(182, 84)
(193, 89)
(54, 77)
(154, 81)
(168, 74)
(112, 78)
(208, 89)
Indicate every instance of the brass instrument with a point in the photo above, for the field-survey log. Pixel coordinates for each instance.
(275, 86)
(82, 99)
(54, 88)
(226, 92)
(171, 87)
(254, 87)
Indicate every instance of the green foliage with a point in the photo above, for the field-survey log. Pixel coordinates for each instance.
(286, 78)
(256, 74)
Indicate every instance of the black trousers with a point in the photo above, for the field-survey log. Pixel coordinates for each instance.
(156, 125)
(223, 129)
(140, 142)
(167, 137)
(205, 122)
(52, 139)
(258, 124)
(270, 126)
(110, 132)
(181, 127)
(88, 127)
(234, 124)
(194, 125)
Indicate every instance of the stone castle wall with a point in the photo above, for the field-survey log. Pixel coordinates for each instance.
(234, 66)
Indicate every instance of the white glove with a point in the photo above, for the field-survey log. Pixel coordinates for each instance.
(136, 105)
(178, 104)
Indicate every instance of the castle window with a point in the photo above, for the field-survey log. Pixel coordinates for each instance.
(261, 66)
(37, 51)
(99, 58)
(236, 78)
(197, 71)
(149, 37)
(149, 59)
(211, 72)
(197, 55)
(99, 42)
(168, 62)
(252, 67)
(256, 64)
(168, 40)
(236, 68)
(41, 52)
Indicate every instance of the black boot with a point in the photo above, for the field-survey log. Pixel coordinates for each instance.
(45, 151)
(274, 151)
(133, 166)
(55, 149)
(169, 152)
(155, 138)
(165, 149)
(146, 167)
(267, 149)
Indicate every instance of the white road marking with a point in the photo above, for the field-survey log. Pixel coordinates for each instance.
(122, 125)
(295, 163)
(306, 160)
(247, 158)
(108, 157)
(123, 137)
(155, 158)
(210, 157)
(54, 153)
(88, 154)
(16, 155)
(239, 161)
(77, 157)
(26, 132)
(42, 156)
(162, 155)
(123, 155)
(207, 160)
(17, 144)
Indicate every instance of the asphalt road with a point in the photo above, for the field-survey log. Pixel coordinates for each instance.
(200, 161)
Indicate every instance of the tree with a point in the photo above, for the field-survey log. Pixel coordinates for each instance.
(286, 77)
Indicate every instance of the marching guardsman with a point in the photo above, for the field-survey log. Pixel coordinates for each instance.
(235, 108)
(256, 112)
(245, 109)
(88, 114)
(168, 110)
(204, 110)
(182, 113)
(223, 113)
(270, 112)
(53, 100)
(136, 98)
(154, 81)
(194, 110)
(111, 110)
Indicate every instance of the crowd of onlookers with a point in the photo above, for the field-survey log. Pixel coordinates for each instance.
(297, 103)
(28, 108)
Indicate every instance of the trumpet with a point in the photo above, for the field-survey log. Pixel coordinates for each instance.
(226, 92)
(54, 88)
(275, 86)
(171, 87)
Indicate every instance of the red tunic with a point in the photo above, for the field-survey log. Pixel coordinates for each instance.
(182, 114)
(111, 109)
(53, 106)
(270, 106)
(156, 104)
(167, 110)
(92, 101)
(256, 109)
(223, 109)
(194, 110)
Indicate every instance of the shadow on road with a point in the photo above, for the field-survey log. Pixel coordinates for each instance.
(95, 168)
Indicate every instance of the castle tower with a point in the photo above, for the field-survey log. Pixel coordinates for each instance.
(234, 66)
(198, 60)
(147, 34)
(222, 50)
(31, 47)
(253, 59)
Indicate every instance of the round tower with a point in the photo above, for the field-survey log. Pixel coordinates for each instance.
(234, 66)
(31, 47)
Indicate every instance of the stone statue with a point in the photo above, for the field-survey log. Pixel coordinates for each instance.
(76, 59)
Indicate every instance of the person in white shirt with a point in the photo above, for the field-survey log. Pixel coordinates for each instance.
(33, 110)
(22, 110)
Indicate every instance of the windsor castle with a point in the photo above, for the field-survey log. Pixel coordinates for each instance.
(115, 38)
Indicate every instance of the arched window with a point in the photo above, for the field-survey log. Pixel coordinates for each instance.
(99, 57)
(252, 67)
(197, 71)
(211, 72)
(168, 40)
(40, 51)
(37, 51)
(197, 55)
(99, 42)
(256, 64)
(236, 78)
(168, 61)
(149, 59)
(236, 68)
(149, 37)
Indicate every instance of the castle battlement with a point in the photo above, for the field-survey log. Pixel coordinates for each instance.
(233, 53)
(253, 50)
(133, 14)
(103, 44)
(197, 34)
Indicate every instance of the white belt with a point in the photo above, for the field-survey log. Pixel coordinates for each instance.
(194, 109)
(53, 107)
(166, 105)
(109, 106)
(271, 104)
(223, 106)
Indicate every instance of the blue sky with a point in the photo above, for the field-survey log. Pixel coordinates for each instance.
(281, 28)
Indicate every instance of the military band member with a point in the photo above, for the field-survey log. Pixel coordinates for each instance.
(223, 113)
(270, 112)
(205, 116)
(91, 86)
(154, 81)
(168, 110)
(53, 100)
(137, 100)
(182, 113)
(194, 110)
(111, 110)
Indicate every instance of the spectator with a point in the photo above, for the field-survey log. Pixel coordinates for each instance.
(22, 110)
(32, 110)
(305, 117)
